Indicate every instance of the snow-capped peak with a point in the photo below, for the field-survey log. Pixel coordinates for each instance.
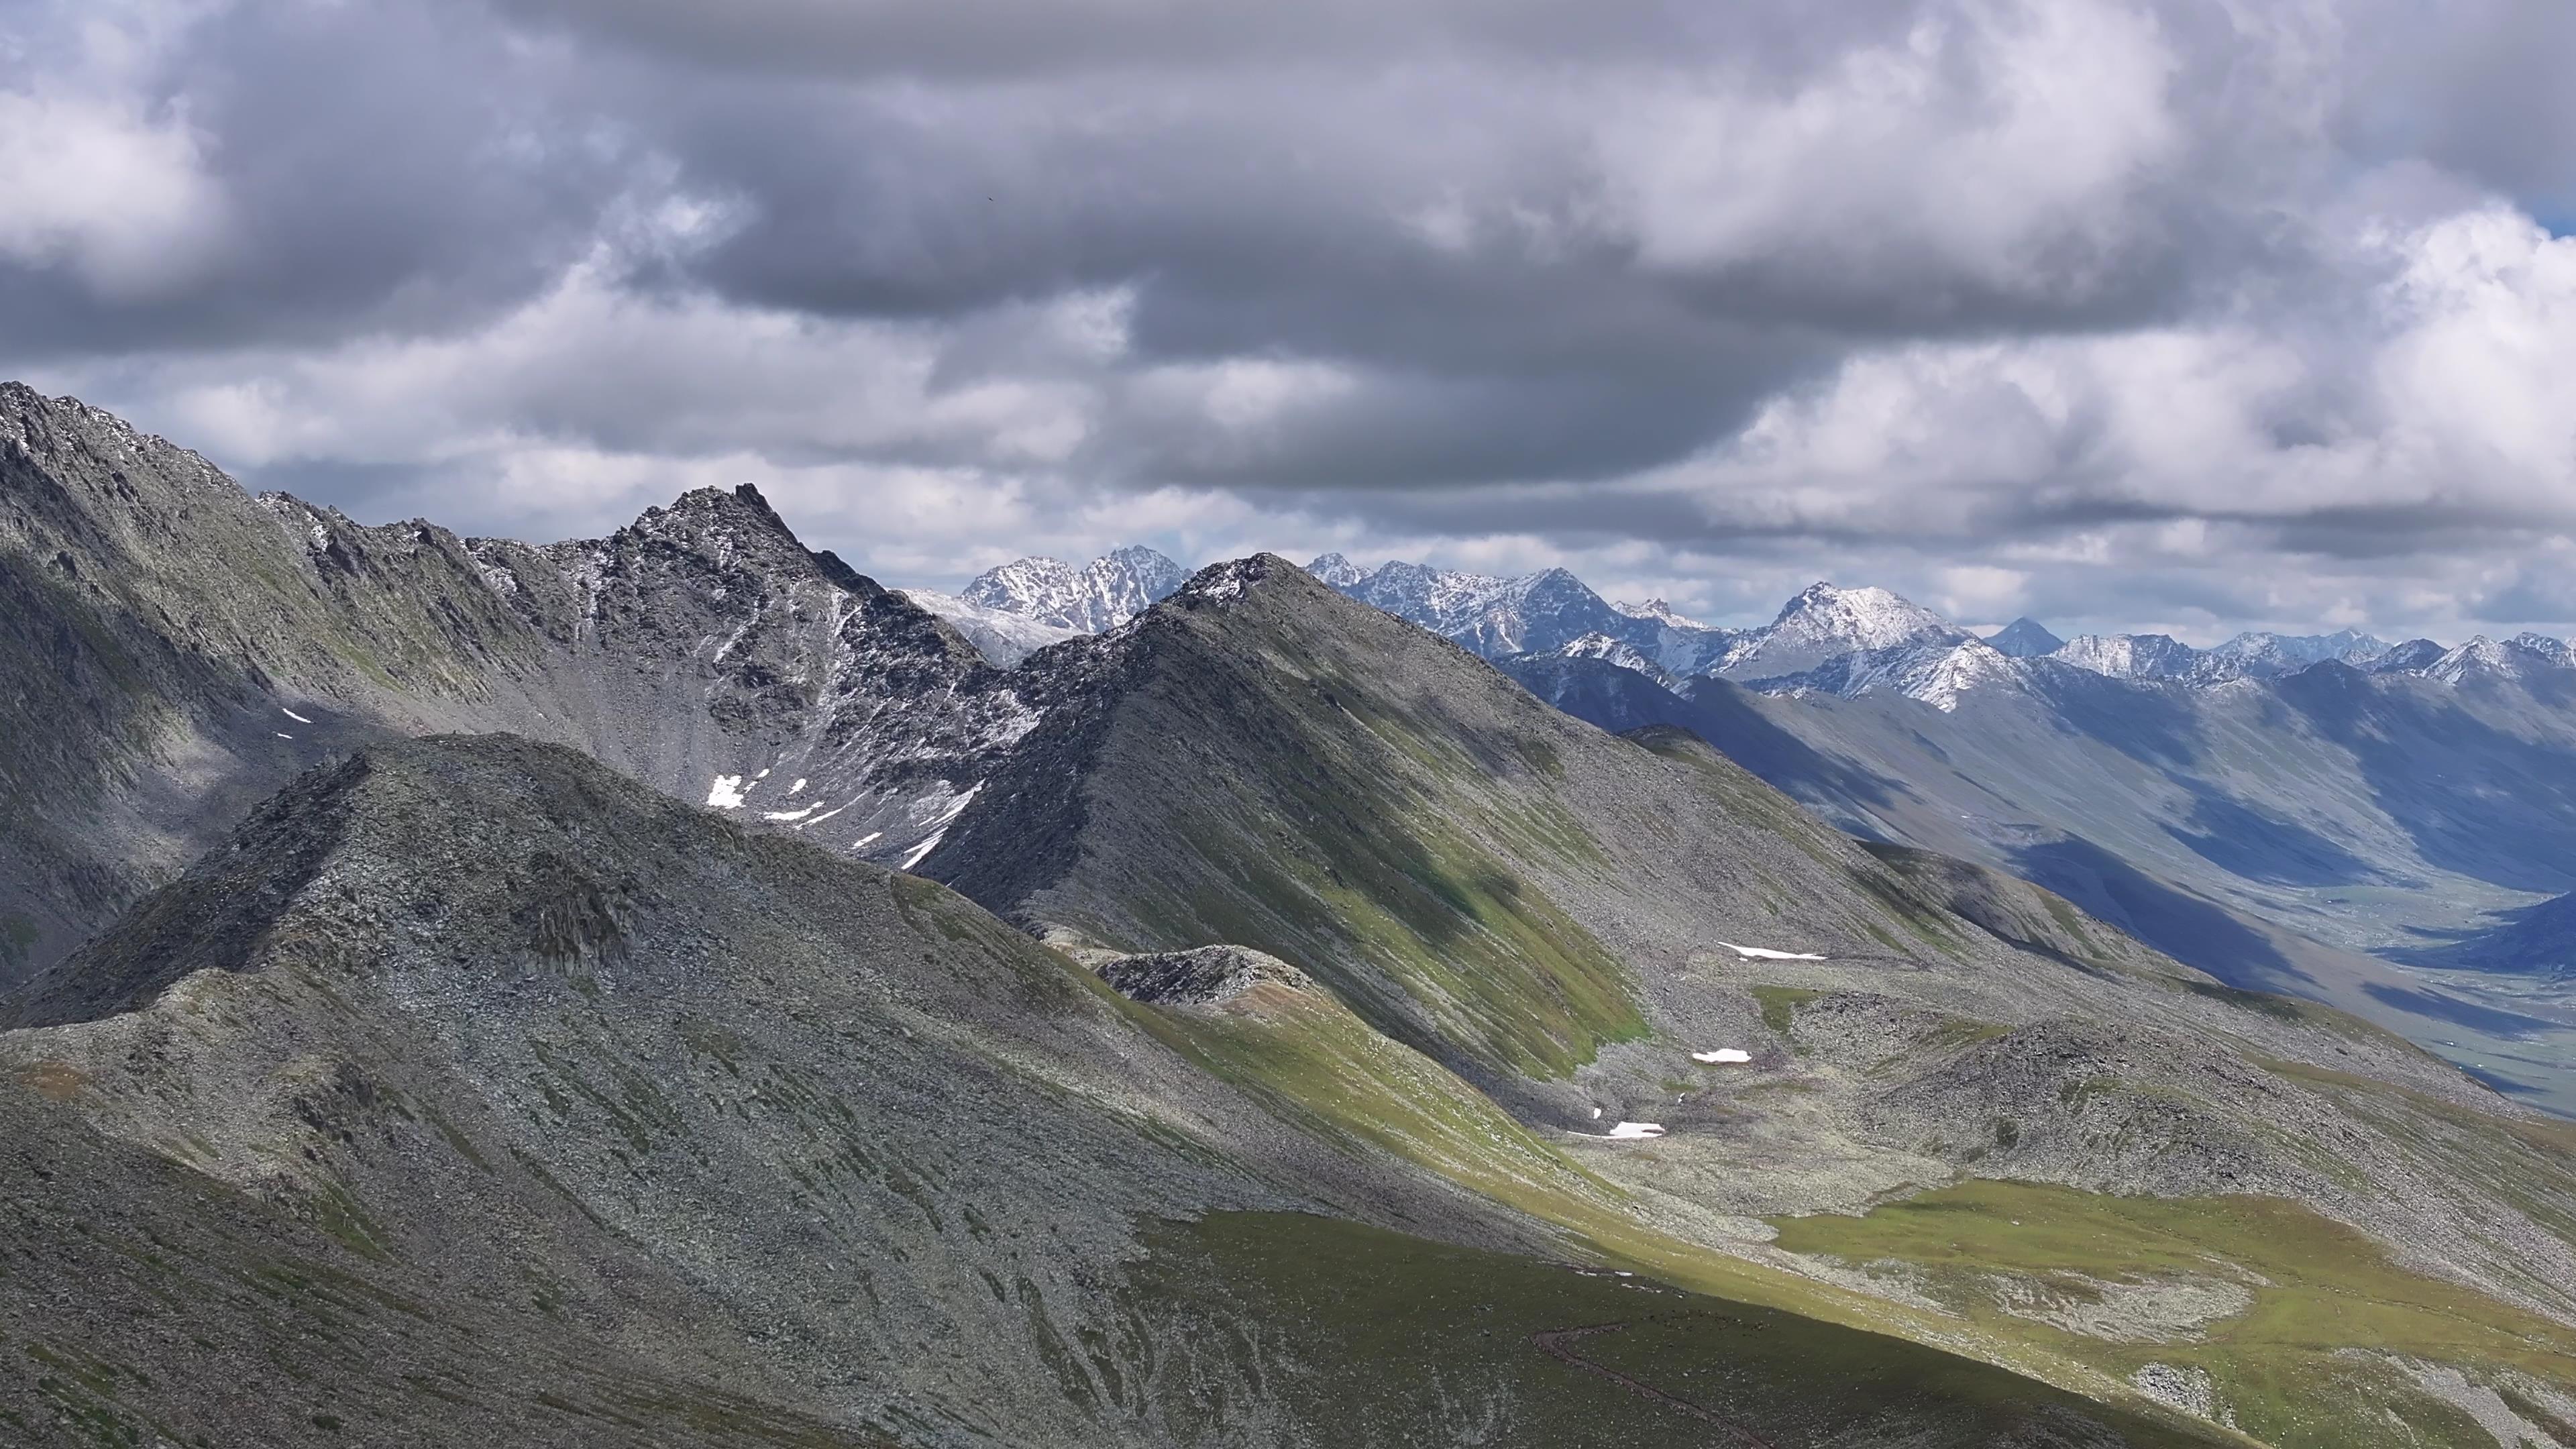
(1335, 571)
(2554, 650)
(2481, 655)
(1616, 651)
(1942, 680)
(1658, 611)
(1102, 594)
(1825, 623)
(2131, 656)
(1003, 639)
(2265, 655)
(1864, 618)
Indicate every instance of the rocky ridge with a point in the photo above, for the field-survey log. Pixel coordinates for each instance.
(176, 649)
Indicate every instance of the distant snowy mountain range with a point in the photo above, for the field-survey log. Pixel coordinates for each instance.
(1023, 606)
(1843, 641)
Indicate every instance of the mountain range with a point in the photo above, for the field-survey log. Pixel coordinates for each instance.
(2324, 815)
(669, 989)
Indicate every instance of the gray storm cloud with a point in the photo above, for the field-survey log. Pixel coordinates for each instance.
(2119, 311)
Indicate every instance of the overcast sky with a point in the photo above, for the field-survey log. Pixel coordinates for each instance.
(2190, 314)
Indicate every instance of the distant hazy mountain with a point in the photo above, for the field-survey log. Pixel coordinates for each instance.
(1493, 616)
(1552, 610)
(1002, 637)
(1101, 594)
(2268, 656)
(1825, 623)
(2533, 941)
(2365, 812)
(2024, 638)
(2131, 656)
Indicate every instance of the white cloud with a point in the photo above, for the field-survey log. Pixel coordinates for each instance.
(103, 179)
(2003, 138)
(2152, 309)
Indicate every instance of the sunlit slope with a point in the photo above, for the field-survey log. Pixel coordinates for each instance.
(1262, 761)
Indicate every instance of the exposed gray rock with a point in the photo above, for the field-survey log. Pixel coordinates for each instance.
(1207, 976)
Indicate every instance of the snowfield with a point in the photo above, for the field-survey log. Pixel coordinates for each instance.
(1765, 953)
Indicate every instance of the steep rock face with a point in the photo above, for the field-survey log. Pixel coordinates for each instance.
(704, 650)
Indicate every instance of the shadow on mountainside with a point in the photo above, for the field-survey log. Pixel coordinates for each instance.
(2250, 844)
(2181, 925)
(2425, 760)
(2152, 724)
(1722, 713)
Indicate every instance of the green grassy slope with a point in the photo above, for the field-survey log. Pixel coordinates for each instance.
(1435, 1344)
(2308, 1329)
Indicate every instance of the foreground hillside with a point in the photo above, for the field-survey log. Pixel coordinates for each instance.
(472, 1090)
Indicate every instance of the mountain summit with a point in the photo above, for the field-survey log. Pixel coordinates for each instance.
(1102, 594)
(2024, 638)
(1824, 623)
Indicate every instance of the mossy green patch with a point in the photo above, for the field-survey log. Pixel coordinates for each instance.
(1780, 1006)
(18, 937)
(1311, 1056)
(1371, 1337)
(2295, 1367)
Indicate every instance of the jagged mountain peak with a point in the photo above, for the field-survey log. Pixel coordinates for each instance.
(1659, 611)
(2548, 647)
(2130, 656)
(1826, 622)
(2412, 657)
(1869, 617)
(1102, 594)
(1224, 582)
(1612, 650)
(2261, 654)
(1335, 570)
(2481, 656)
